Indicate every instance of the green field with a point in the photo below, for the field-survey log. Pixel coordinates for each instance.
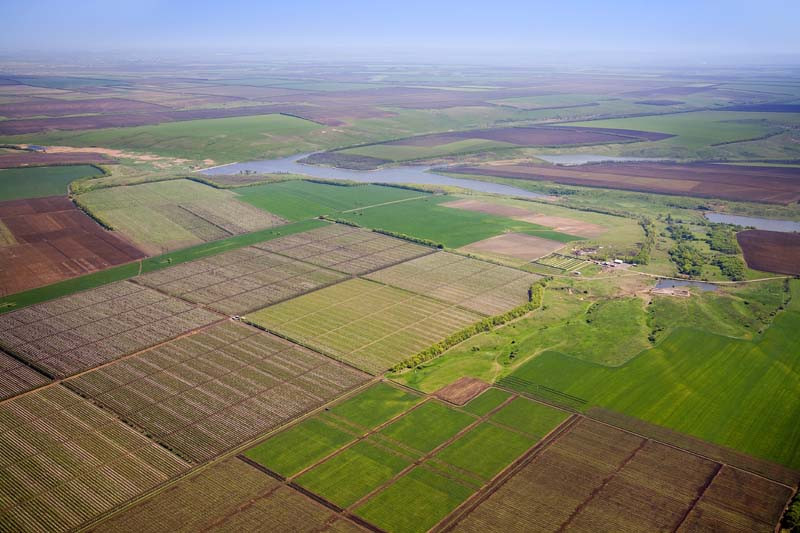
(486, 450)
(353, 473)
(414, 503)
(366, 324)
(37, 182)
(223, 140)
(298, 200)
(398, 152)
(168, 215)
(702, 128)
(736, 393)
(427, 426)
(110, 275)
(487, 401)
(454, 228)
(376, 405)
(533, 418)
(299, 447)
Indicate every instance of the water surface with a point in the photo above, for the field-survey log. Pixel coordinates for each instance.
(769, 224)
(419, 175)
(673, 283)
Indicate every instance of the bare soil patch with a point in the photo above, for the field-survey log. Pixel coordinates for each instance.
(562, 224)
(54, 241)
(462, 390)
(771, 251)
(516, 245)
(779, 185)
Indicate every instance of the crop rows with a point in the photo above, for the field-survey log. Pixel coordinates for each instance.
(595, 477)
(241, 280)
(17, 377)
(230, 496)
(477, 285)
(207, 392)
(562, 262)
(370, 325)
(63, 461)
(344, 248)
(90, 328)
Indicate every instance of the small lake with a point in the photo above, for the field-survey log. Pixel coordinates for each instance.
(570, 160)
(404, 174)
(769, 224)
(673, 283)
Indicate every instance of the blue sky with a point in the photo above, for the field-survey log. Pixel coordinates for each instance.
(674, 27)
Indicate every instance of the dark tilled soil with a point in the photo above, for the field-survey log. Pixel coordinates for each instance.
(771, 251)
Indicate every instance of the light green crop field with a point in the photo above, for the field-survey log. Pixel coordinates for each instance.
(533, 418)
(298, 200)
(736, 393)
(702, 128)
(427, 426)
(398, 152)
(414, 503)
(299, 447)
(222, 140)
(37, 182)
(454, 228)
(376, 405)
(168, 215)
(486, 449)
(366, 324)
(486, 401)
(353, 473)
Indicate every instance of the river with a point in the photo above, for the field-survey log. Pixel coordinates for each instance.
(402, 174)
(769, 224)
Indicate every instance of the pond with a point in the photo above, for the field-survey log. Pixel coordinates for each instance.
(570, 160)
(769, 224)
(673, 283)
(402, 174)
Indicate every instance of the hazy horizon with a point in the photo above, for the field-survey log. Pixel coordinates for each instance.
(579, 32)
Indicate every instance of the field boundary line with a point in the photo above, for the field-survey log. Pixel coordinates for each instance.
(196, 469)
(500, 479)
(699, 496)
(388, 203)
(597, 490)
(423, 459)
(65, 380)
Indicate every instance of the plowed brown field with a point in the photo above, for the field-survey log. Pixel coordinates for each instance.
(54, 241)
(771, 251)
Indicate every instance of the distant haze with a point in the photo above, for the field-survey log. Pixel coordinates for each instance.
(530, 31)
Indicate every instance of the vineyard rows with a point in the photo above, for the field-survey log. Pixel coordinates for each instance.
(17, 377)
(241, 280)
(561, 262)
(82, 331)
(477, 285)
(63, 461)
(345, 249)
(207, 392)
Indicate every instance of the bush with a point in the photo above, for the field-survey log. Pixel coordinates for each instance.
(535, 297)
(791, 518)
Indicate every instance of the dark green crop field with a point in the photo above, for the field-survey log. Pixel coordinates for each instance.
(37, 182)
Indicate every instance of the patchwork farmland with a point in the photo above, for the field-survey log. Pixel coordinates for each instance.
(16, 377)
(561, 262)
(46, 240)
(241, 280)
(204, 393)
(78, 332)
(595, 477)
(168, 215)
(479, 286)
(63, 461)
(346, 249)
(387, 449)
(228, 496)
(363, 323)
